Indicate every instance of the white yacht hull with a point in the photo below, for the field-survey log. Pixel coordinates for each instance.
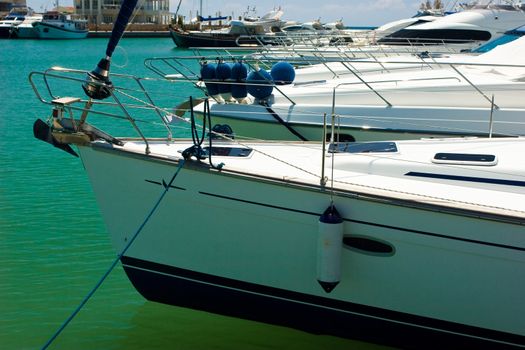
(245, 245)
(365, 123)
(49, 31)
(399, 98)
(25, 32)
(505, 95)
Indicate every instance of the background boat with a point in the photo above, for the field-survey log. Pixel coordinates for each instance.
(56, 25)
(480, 23)
(26, 30)
(397, 97)
(229, 35)
(14, 18)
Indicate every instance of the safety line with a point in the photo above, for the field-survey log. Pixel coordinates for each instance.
(115, 262)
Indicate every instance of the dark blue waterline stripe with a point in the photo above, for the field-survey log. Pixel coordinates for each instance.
(522, 249)
(468, 179)
(307, 303)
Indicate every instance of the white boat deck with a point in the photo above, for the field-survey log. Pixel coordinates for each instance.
(494, 187)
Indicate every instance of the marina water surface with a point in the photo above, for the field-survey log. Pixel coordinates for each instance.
(54, 246)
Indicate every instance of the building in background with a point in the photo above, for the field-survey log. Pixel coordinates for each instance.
(7, 5)
(101, 14)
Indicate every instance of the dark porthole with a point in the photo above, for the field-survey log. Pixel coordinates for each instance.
(368, 245)
(363, 147)
(228, 151)
(340, 137)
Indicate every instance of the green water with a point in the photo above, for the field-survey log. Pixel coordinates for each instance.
(54, 246)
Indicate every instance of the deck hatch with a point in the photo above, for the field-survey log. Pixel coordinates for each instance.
(228, 151)
(465, 158)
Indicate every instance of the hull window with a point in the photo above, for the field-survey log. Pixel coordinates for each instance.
(368, 245)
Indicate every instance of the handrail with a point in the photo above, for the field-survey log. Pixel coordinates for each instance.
(340, 38)
(194, 78)
(427, 61)
(367, 83)
(86, 106)
(149, 63)
(72, 75)
(491, 101)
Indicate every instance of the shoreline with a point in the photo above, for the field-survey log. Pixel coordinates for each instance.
(131, 34)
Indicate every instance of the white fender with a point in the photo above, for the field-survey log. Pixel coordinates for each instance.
(329, 249)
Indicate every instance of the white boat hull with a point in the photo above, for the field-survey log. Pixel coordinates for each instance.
(364, 123)
(25, 32)
(246, 246)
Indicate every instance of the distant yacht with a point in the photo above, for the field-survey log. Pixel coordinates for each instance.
(55, 25)
(26, 30)
(11, 20)
(482, 22)
(306, 27)
(249, 31)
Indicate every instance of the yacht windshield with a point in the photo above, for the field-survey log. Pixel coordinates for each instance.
(483, 4)
(509, 36)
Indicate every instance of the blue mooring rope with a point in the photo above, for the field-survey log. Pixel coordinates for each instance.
(115, 262)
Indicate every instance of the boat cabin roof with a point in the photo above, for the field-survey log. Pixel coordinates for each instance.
(56, 16)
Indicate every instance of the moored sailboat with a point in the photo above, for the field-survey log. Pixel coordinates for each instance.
(414, 216)
(412, 244)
